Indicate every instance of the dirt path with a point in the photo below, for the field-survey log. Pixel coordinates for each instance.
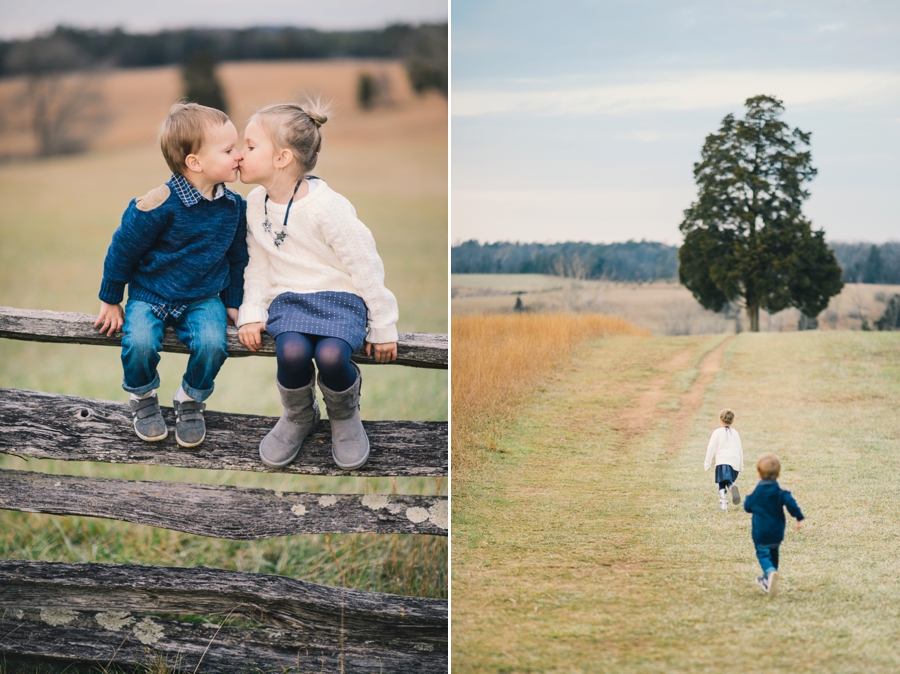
(691, 401)
(659, 391)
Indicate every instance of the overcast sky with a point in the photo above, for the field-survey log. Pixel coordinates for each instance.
(27, 17)
(582, 120)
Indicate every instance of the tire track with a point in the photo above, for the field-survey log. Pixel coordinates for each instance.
(691, 401)
(648, 404)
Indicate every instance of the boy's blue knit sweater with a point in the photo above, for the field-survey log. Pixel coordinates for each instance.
(767, 503)
(174, 253)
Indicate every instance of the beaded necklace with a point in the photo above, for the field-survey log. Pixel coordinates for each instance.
(282, 235)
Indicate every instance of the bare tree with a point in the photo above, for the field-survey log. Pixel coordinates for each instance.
(679, 318)
(861, 310)
(62, 104)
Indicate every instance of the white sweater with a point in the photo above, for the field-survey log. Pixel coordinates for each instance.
(326, 248)
(725, 447)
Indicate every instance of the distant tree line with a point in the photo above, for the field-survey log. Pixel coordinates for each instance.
(869, 263)
(641, 261)
(635, 261)
(424, 47)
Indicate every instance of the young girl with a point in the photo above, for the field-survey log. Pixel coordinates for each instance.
(725, 447)
(314, 282)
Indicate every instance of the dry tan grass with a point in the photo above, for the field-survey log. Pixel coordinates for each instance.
(661, 307)
(499, 358)
(358, 144)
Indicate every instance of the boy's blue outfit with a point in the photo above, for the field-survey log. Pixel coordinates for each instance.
(767, 503)
(183, 257)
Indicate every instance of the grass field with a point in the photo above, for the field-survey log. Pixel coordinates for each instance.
(661, 307)
(591, 542)
(56, 220)
(500, 360)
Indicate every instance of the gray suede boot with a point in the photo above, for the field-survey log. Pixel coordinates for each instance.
(301, 414)
(349, 443)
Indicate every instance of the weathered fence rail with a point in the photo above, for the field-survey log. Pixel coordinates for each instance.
(415, 349)
(109, 613)
(220, 511)
(67, 428)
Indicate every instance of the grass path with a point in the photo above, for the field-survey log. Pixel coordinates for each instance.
(591, 542)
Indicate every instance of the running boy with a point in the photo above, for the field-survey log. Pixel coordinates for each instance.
(181, 249)
(767, 503)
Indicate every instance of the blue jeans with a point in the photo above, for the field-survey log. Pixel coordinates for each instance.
(202, 329)
(768, 557)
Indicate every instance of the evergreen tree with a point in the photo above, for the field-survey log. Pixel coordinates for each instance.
(873, 271)
(745, 238)
(201, 84)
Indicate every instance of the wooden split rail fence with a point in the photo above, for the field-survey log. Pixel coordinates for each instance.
(108, 613)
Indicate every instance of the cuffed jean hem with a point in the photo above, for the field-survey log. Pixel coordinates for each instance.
(142, 390)
(195, 393)
(767, 555)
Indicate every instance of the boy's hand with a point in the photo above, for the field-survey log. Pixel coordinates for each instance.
(249, 334)
(384, 353)
(232, 316)
(800, 524)
(111, 318)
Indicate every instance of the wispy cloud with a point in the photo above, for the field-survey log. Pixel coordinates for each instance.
(829, 27)
(569, 214)
(647, 136)
(676, 91)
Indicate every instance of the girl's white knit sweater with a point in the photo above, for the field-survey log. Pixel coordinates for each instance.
(725, 447)
(326, 248)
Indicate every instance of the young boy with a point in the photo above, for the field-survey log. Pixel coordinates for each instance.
(767, 503)
(181, 249)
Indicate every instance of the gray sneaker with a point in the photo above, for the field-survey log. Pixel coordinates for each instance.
(148, 421)
(763, 583)
(735, 494)
(190, 427)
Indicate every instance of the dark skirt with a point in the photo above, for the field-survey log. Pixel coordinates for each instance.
(725, 473)
(327, 314)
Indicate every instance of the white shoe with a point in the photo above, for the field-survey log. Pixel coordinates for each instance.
(723, 500)
(735, 494)
(772, 582)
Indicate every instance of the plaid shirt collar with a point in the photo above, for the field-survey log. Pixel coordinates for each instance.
(190, 195)
(168, 312)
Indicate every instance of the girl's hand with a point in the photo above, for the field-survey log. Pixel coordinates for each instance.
(249, 334)
(800, 524)
(232, 316)
(384, 353)
(111, 318)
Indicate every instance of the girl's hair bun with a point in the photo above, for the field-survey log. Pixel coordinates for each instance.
(295, 126)
(317, 110)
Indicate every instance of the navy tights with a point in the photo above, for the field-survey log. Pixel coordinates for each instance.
(295, 352)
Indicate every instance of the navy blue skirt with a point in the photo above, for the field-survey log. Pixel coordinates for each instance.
(725, 473)
(327, 314)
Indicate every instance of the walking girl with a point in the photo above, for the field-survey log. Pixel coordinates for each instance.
(725, 449)
(314, 282)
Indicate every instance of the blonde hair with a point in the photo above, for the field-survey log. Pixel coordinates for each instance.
(768, 466)
(184, 132)
(727, 416)
(296, 127)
